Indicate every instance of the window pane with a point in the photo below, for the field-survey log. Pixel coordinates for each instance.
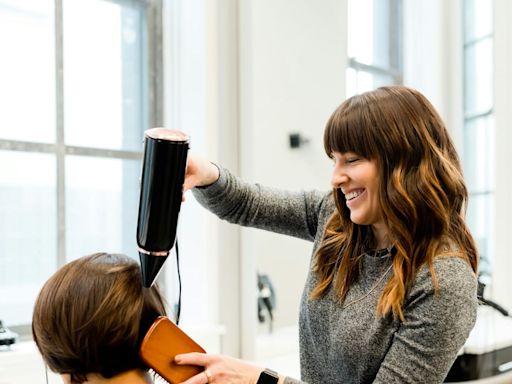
(28, 238)
(478, 19)
(360, 30)
(27, 70)
(351, 82)
(381, 80)
(371, 25)
(478, 155)
(362, 81)
(480, 220)
(478, 77)
(104, 75)
(101, 205)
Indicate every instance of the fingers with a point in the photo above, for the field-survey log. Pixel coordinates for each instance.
(193, 358)
(189, 183)
(200, 378)
(200, 172)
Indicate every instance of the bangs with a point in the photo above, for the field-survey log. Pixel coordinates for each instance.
(351, 128)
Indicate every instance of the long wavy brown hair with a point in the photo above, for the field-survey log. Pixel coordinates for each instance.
(423, 196)
(91, 316)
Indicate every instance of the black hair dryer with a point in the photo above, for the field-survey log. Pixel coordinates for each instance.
(161, 188)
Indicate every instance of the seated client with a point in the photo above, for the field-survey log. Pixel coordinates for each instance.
(90, 318)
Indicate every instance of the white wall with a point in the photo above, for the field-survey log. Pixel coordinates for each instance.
(432, 52)
(292, 77)
(502, 282)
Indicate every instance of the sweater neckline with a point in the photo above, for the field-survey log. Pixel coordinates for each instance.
(381, 253)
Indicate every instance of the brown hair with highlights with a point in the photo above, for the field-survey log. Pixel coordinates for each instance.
(91, 316)
(423, 196)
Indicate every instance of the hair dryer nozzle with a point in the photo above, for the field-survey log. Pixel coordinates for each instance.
(161, 188)
(150, 265)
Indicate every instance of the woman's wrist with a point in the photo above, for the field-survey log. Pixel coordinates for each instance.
(265, 376)
(213, 174)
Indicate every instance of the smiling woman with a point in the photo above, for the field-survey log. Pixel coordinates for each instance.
(417, 176)
(391, 293)
(358, 179)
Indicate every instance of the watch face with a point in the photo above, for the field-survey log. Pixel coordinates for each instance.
(268, 377)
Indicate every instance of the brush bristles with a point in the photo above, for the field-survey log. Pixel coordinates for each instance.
(158, 378)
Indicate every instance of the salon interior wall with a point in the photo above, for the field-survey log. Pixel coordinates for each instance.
(502, 272)
(241, 76)
(292, 70)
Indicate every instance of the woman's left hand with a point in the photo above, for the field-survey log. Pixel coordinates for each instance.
(219, 369)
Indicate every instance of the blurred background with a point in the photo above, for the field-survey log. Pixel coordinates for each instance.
(253, 83)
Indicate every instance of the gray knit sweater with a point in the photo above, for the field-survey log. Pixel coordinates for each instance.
(350, 343)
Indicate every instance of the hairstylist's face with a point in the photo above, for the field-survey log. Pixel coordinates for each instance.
(358, 180)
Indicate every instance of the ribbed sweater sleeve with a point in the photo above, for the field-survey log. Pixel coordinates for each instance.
(253, 205)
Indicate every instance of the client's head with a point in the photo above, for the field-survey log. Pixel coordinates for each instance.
(91, 315)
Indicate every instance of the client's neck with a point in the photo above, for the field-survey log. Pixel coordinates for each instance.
(136, 376)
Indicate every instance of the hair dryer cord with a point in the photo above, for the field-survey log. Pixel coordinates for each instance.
(178, 306)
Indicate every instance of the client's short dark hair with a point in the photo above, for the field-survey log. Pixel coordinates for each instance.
(91, 316)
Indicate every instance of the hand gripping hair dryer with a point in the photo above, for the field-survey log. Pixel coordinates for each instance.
(161, 188)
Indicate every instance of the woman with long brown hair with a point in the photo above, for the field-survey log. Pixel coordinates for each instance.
(90, 318)
(391, 293)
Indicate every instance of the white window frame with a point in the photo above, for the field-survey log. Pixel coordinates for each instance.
(394, 70)
(152, 46)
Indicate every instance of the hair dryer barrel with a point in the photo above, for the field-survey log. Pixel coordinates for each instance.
(161, 188)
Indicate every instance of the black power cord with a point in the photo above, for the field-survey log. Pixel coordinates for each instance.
(482, 300)
(178, 306)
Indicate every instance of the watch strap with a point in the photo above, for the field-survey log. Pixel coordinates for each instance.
(268, 377)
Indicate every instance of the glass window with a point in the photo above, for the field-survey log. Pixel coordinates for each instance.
(101, 205)
(477, 162)
(478, 19)
(73, 114)
(480, 219)
(28, 230)
(363, 81)
(372, 26)
(103, 75)
(479, 130)
(27, 91)
(478, 77)
(374, 44)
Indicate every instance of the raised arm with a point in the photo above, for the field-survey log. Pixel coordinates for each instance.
(252, 205)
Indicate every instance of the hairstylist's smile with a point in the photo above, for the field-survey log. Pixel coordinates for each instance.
(352, 196)
(358, 180)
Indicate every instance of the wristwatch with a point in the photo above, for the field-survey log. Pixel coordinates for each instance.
(268, 377)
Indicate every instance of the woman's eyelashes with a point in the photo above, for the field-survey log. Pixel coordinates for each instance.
(345, 159)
